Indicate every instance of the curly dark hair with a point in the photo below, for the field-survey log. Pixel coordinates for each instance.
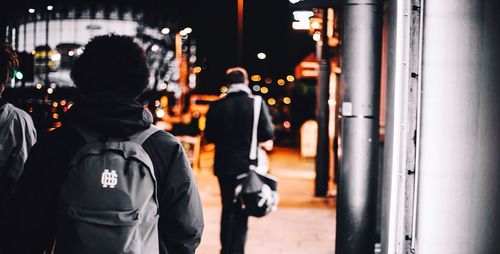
(111, 64)
(9, 62)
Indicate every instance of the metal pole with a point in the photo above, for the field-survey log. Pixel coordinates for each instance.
(24, 34)
(459, 176)
(47, 50)
(323, 146)
(34, 30)
(16, 37)
(240, 31)
(357, 184)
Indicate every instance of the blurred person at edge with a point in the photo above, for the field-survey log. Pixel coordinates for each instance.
(229, 126)
(110, 74)
(17, 132)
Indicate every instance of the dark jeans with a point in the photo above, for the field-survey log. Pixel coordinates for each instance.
(234, 223)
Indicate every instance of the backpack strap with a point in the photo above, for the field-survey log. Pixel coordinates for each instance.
(140, 137)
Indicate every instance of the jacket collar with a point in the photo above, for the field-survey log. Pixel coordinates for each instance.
(239, 87)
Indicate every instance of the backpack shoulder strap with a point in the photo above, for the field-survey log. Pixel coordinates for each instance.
(145, 134)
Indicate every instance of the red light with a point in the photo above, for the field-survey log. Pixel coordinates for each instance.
(286, 124)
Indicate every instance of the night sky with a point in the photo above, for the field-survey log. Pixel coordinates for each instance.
(267, 28)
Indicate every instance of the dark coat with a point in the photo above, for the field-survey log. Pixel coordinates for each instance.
(229, 125)
(32, 219)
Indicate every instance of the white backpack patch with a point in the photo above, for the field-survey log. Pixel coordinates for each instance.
(109, 179)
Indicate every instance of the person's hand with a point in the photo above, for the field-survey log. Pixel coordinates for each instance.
(268, 145)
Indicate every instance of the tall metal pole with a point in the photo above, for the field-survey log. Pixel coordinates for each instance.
(323, 146)
(240, 31)
(459, 176)
(357, 184)
(47, 49)
(34, 29)
(24, 34)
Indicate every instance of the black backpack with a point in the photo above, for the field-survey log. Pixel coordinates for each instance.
(108, 201)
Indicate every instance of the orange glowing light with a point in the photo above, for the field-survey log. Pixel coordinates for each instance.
(287, 124)
(271, 101)
(287, 100)
(256, 78)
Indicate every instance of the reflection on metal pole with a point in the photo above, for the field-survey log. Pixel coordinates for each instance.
(357, 184)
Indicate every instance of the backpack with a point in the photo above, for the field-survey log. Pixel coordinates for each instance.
(108, 201)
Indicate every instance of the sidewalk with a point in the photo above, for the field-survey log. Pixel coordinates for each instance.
(303, 223)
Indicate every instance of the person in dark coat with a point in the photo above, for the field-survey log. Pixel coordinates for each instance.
(229, 125)
(109, 75)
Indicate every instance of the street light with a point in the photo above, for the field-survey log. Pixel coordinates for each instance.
(50, 7)
(261, 56)
(31, 10)
(165, 30)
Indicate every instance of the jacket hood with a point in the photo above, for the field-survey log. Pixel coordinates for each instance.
(110, 115)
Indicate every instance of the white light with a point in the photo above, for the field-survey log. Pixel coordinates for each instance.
(50, 90)
(256, 88)
(71, 53)
(188, 30)
(55, 57)
(183, 33)
(261, 56)
(155, 48)
(160, 113)
(19, 75)
(316, 36)
(50, 7)
(79, 51)
(31, 10)
(165, 30)
(294, 1)
(302, 15)
(301, 25)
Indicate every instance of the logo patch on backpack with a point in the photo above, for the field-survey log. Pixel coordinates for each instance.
(109, 179)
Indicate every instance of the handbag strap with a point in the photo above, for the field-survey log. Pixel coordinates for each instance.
(256, 111)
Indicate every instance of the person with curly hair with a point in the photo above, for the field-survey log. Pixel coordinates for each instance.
(110, 75)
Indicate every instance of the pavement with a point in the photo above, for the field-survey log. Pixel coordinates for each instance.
(303, 224)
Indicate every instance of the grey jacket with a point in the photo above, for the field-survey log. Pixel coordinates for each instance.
(17, 136)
